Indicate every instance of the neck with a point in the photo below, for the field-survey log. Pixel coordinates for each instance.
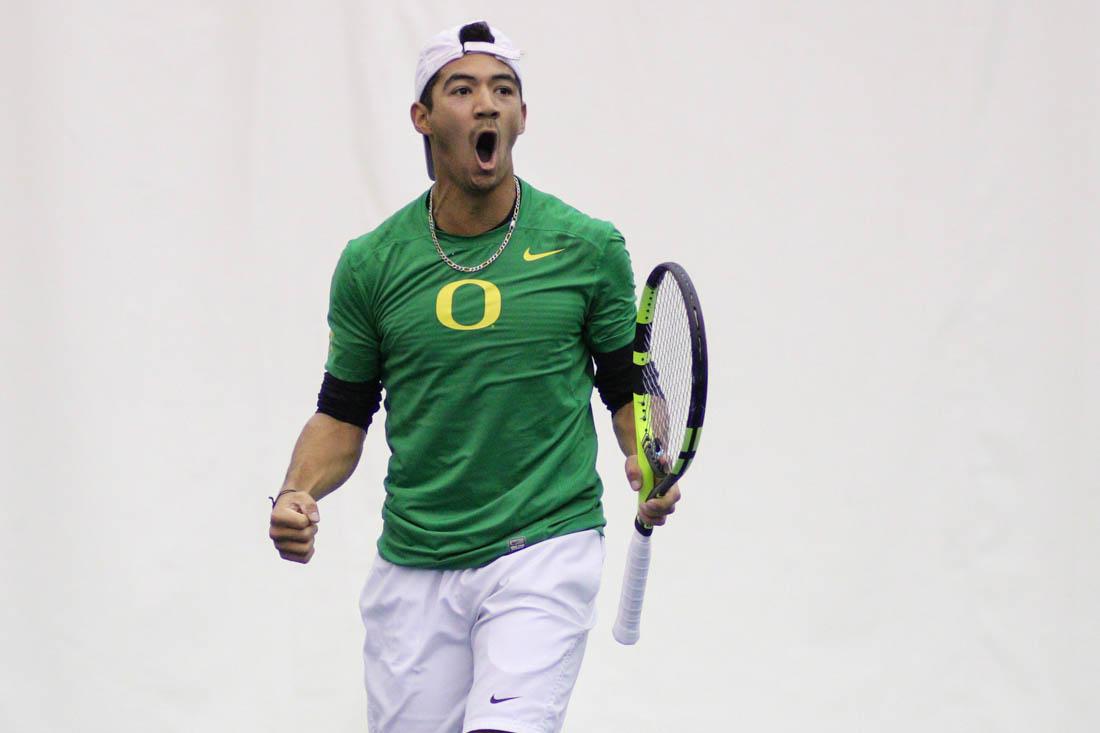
(468, 213)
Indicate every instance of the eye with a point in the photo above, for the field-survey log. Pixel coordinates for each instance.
(461, 91)
(507, 91)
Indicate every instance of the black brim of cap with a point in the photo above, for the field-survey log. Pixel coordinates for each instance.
(428, 157)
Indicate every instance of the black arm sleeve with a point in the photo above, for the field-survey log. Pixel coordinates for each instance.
(350, 402)
(614, 376)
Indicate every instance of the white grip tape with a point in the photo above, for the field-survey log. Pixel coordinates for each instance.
(626, 629)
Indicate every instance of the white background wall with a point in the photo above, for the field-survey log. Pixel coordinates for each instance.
(890, 213)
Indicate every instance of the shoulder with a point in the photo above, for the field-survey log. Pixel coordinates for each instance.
(406, 224)
(549, 214)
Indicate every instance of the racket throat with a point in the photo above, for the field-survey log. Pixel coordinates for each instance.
(641, 439)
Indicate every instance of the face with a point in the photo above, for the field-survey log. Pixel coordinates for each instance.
(476, 116)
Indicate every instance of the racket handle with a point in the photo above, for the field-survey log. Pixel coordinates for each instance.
(627, 625)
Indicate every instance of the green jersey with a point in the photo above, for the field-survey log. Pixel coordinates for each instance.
(487, 375)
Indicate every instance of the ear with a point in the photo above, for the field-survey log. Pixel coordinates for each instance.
(522, 118)
(420, 117)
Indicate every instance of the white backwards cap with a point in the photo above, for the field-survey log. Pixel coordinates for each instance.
(448, 45)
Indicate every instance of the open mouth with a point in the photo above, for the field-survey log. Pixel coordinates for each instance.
(486, 147)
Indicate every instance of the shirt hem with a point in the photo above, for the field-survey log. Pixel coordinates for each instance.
(483, 557)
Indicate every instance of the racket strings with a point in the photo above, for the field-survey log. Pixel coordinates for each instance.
(667, 378)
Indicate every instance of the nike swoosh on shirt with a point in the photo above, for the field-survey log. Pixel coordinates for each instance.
(494, 699)
(532, 257)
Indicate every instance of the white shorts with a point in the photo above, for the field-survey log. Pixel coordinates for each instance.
(497, 647)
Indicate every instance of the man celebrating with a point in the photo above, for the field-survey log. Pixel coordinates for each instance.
(479, 308)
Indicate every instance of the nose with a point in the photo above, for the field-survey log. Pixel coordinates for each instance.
(485, 106)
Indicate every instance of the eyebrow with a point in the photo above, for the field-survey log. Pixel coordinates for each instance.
(459, 76)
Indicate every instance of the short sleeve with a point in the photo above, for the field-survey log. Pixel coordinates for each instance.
(353, 352)
(611, 314)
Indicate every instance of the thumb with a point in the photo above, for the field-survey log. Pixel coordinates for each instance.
(305, 504)
(633, 472)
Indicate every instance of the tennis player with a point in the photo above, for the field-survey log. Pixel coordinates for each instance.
(486, 310)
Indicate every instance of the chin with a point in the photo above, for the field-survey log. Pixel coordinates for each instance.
(480, 181)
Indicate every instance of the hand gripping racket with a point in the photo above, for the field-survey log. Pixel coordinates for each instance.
(670, 395)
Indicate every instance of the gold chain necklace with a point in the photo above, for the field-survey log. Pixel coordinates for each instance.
(486, 263)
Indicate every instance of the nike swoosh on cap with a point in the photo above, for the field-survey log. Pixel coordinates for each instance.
(494, 699)
(532, 257)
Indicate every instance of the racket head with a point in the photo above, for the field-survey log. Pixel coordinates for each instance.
(670, 378)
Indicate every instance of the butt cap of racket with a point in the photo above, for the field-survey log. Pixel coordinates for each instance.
(625, 636)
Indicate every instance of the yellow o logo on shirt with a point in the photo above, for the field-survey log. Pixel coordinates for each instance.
(445, 301)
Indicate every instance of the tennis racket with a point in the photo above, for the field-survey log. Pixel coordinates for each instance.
(670, 396)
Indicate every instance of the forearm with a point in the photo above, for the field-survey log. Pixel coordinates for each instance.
(623, 422)
(325, 456)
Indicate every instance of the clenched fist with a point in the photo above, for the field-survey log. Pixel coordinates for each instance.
(294, 521)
